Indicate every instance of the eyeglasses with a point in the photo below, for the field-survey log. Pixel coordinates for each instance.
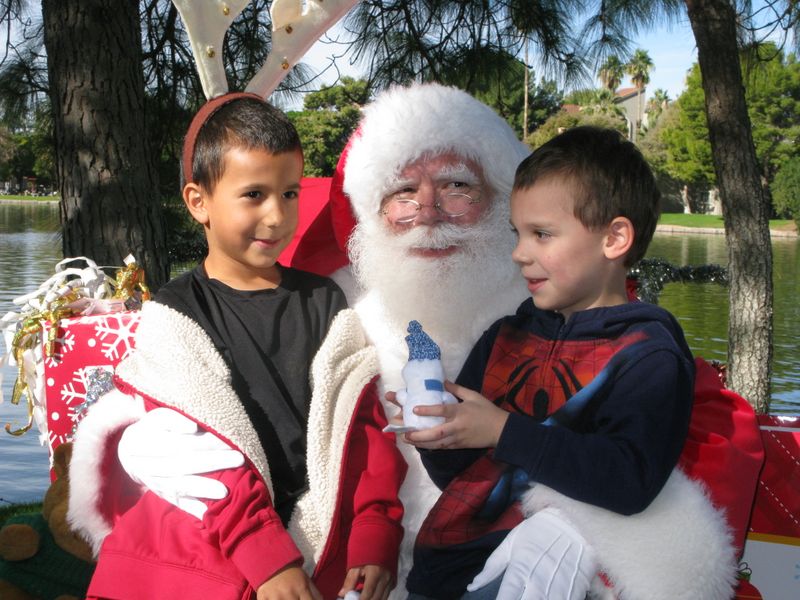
(402, 208)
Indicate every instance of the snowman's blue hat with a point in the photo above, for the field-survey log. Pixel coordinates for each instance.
(420, 345)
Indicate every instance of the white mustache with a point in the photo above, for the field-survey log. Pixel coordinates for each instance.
(439, 237)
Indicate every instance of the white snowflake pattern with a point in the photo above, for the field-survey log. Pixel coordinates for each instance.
(73, 394)
(118, 328)
(64, 345)
(55, 440)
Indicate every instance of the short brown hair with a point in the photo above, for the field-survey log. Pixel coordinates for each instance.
(248, 123)
(610, 177)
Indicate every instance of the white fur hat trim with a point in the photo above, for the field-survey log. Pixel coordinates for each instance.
(404, 123)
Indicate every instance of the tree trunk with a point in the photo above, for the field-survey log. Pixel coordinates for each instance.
(110, 204)
(714, 202)
(743, 203)
(526, 83)
(686, 199)
(639, 112)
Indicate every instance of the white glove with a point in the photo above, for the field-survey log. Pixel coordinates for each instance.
(165, 452)
(544, 558)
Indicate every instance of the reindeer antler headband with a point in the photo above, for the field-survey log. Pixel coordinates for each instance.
(296, 25)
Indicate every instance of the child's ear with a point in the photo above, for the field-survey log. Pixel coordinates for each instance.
(195, 201)
(619, 238)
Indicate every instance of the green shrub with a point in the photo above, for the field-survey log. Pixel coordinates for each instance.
(786, 190)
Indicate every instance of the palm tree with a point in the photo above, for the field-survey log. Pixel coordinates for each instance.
(598, 101)
(639, 67)
(611, 72)
(656, 105)
(660, 99)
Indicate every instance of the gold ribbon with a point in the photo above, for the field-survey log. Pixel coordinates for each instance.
(129, 280)
(26, 338)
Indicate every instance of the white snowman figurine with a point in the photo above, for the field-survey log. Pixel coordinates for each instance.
(424, 378)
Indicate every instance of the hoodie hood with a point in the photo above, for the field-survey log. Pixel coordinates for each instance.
(605, 322)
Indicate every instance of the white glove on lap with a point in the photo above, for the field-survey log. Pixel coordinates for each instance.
(165, 452)
(544, 558)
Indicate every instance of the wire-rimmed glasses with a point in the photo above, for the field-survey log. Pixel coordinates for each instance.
(402, 207)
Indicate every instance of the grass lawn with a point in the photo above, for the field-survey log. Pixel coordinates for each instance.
(29, 198)
(18, 509)
(682, 220)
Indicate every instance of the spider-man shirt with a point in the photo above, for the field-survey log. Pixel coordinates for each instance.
(599, 410)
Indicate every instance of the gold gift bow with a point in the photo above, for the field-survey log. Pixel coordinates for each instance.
(128, 280)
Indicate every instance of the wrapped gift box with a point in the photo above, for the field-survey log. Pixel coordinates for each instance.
(82, 346)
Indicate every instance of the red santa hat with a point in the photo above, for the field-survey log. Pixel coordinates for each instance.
(404, 123)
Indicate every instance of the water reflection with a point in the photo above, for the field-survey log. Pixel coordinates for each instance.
(29, 250)
(702, 309)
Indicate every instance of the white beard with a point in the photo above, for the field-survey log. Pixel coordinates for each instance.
(455, 298)
(449, 294)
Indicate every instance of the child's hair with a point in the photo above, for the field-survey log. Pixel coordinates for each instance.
(610, 179)
(247, 123)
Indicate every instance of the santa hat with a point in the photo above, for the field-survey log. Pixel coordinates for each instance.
(325, 224)
(405, 123)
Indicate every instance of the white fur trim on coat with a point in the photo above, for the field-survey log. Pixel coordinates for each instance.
(678, 547)
(343, 366)
(404, 123)
(109, 414)
(176, 363)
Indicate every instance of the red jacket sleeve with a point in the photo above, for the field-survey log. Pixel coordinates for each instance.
(244, 524)
(247, 527)
(366, 528)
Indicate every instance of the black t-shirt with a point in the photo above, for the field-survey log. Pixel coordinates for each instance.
(268, 338)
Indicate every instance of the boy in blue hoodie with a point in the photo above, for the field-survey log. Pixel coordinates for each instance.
(582, 390)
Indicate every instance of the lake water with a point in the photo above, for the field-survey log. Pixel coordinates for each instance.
(30, 248)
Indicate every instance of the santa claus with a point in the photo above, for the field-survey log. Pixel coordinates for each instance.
(428, 175)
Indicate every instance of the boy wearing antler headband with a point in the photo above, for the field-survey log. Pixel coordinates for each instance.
(229, 344)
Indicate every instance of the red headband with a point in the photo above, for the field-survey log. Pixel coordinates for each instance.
(203, 115)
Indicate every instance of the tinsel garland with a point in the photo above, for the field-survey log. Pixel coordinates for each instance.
(652, 274)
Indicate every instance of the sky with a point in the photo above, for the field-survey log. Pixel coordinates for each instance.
(672, 49)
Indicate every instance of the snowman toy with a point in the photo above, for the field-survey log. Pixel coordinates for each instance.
(424, 379)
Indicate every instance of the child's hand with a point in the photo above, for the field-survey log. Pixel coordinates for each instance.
(377, 582)
(290, 583)
(391, 398)
(475, 422)
(396, 418)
